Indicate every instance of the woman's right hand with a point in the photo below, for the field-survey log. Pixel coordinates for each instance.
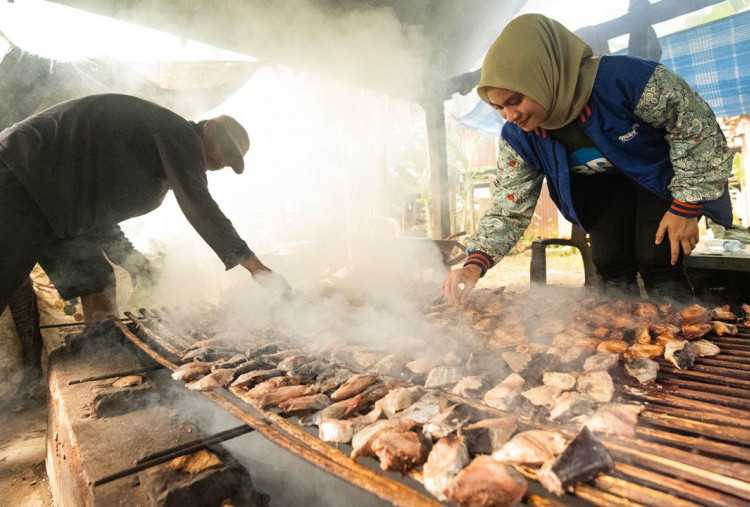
(459, 283)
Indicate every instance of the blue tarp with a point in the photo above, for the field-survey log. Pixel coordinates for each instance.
(713, 58)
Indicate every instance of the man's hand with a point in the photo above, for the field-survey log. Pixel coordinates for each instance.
(267, 278)
(682, 231)
(467, 276)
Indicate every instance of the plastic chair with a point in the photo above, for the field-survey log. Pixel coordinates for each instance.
(578, 239)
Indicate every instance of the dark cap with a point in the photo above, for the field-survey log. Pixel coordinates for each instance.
(235, 140)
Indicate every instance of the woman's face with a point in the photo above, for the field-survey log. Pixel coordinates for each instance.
(517, 108)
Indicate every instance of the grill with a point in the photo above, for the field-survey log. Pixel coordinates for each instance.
(691, 447)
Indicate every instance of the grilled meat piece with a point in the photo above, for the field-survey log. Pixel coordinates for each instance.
(399, 399)
(613, 346)
(704, 348)
(647, 311)
(503, 337)
(281, 394)
(269, 385)
(723, 313)
(541, 396)
(450, 420)
(680, 353)
(353, 386)
(694, 331)
(643, 351)
(308, 372)
(504, 394)
(363, 440)
(583, 459)
(562, 381)
(618, 419)
(532, 447)
(643, 370)
(309, 403)
(292, 362)
(642, 335)
(601, 361)
(208, 354)
(540, 364)
(571, 404)
(251, 378)
(517, 361)
(485, 483)
(723, 329)
(468, 385)
(339, 431)
(191, 371)
(332, 379)
(423, 365)
(219, 378)
(399, 451)
(443, 376)
(695, 314)
(446, 459)
(337, 410)
(489, 435)
(428, 406)
(597, 385)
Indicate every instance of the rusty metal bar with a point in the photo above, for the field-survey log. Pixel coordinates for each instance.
(714, 473)
(158, 323)
(641, 494)
(708, 361)
(169, 455)
(135, 371)
(700, 443)
(654, 396)
(703, 376)
(678, 383)
(700, 415)
(726, 433)
(715, 398)
(368, 480)
(703, 495)
(153, 336)
(735, 373)
(74, 324)
(198, 444)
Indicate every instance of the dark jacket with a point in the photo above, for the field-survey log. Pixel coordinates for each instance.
(98, 160)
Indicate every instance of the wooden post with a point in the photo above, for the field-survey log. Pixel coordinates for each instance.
(439, 203)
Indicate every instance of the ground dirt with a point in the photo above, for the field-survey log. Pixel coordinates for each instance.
(23, 478)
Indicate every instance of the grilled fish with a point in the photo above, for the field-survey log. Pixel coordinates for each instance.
(489, 435)
(363, 440)
(485, 483)
(191, 371)
(643, 370)
(597, 385)
(617, 419)
(504, 394)
(446, 459)
(400, 451)
(353, 386)
(704, 348)
(219, 378)
(532, 447)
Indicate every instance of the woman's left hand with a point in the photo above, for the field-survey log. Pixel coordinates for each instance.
(682, 231)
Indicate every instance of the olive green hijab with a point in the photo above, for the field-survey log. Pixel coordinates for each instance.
(538, 57)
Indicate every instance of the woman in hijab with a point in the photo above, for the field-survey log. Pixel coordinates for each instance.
(630, 152)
